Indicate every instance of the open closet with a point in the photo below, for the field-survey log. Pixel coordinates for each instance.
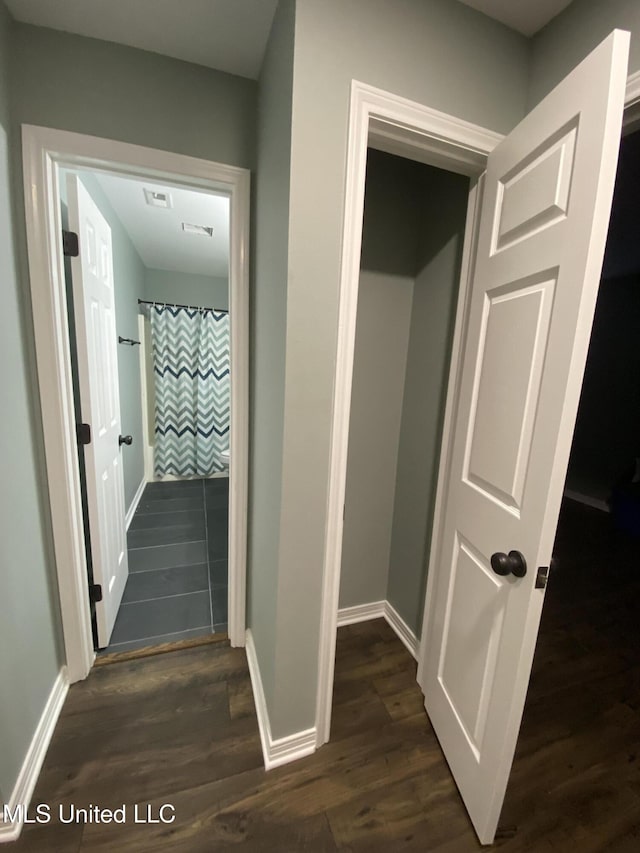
(413, 233)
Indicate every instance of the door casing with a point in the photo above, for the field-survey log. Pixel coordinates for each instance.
(45, 151)
(398, 126)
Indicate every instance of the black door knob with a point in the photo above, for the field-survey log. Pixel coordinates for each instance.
(512, 563)
(125, 439)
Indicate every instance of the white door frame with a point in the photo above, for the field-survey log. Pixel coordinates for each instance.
(44, 151)
(398, 126)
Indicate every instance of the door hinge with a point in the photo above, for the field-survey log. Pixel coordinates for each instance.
(542, 576)
(83, 433)
(70, 244)
(95, 592)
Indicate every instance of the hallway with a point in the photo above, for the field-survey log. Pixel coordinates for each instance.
(181, 728)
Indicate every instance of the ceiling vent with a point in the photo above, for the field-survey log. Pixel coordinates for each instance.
(202, 230)
(158, 198)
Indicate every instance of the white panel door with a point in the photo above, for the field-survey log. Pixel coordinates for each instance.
(541, 238)
(94, 308)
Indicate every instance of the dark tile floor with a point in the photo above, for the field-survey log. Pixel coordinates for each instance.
(178, 575)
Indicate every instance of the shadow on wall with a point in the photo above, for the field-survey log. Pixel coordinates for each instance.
(411, 213)
(413, 231)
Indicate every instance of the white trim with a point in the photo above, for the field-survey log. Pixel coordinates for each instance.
(44, 150)
(380, 610)
(361, 613)
(284, 750)
(134, 503)
(239, 431)
(404, 632)
(143, 354)
(409, 129)
(281, 750)
(32, 764)
(441, 139)
(258, 695)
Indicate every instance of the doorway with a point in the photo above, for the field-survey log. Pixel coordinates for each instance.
(172, 385)
(46, 152)
(393, 125)
(580, 727)
(523, 349)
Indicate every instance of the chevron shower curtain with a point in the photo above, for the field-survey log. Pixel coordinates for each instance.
(191, 370)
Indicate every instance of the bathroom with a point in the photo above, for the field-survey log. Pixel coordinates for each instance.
(170, 274)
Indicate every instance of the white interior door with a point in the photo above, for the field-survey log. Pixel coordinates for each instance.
(541, 239)
(94, 308)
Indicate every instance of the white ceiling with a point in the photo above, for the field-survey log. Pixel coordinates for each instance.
(157, 232)
(229, 35)
(525, 16)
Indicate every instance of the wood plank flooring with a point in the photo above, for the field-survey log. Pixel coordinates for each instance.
(180, 728)
(575, 782)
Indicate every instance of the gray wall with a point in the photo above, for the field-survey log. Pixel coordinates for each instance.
(380, 361)
(105, 89)
(388, 264)
(413, 233)
(444, 198)
(186, 288)
(29, 627)
(269, 310)
(567, 39)
(392, 222)
(438, 53)
(89, 86)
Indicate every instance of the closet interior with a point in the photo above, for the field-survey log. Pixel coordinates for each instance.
(412, 241)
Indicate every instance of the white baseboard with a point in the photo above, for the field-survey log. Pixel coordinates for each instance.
(281, 750)
(286, 749)
(30, 770)
(401, 628)
(381, 610)
(134, 503)
(361, 613)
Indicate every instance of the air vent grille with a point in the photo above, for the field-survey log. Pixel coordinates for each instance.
(202, 230)
(158, 198)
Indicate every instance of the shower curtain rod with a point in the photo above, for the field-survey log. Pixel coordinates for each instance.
(177, 305)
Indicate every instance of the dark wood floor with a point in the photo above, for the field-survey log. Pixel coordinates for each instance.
(575, 783)
(180, 728)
